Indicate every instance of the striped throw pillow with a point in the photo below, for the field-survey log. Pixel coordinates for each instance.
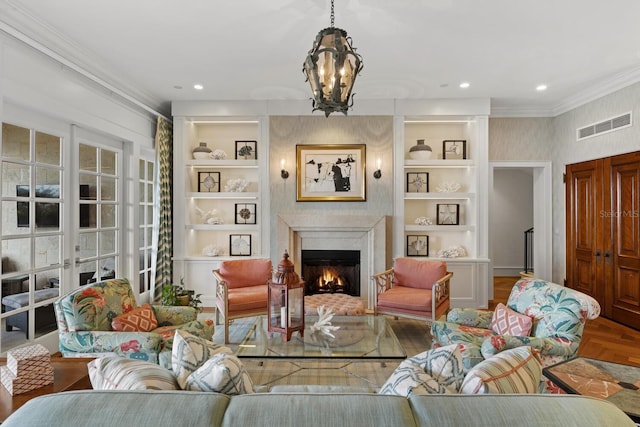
(223, 373)
(119, 373)
(517, 370)
(141, 319)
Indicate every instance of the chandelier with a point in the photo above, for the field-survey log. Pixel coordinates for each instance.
(331, 68)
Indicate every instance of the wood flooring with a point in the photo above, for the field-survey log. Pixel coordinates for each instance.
(602, 338)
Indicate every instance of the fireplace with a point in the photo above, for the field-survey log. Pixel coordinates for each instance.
(331, 271)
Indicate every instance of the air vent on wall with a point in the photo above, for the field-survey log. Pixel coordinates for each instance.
(605, 126)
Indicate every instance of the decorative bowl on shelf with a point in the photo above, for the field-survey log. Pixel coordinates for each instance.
(420, 151)
(201, 151)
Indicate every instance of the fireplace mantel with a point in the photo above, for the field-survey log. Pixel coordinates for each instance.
(366, 233)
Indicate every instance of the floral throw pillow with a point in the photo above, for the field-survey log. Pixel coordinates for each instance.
(506, 321)
(141, 319)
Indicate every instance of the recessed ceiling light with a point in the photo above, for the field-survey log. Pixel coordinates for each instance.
(540, 88)
(464, 85)
(198, 86)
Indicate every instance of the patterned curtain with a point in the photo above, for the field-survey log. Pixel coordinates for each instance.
(164, 160)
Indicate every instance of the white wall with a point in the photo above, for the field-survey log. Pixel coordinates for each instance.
(510, 214)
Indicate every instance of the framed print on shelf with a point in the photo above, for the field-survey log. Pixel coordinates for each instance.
(246, 150)
(245, 213)
(448, 214)
(454, 149)
(240, 244)
(417, 182)
(417, 245)
(331, 173)
(208, 182)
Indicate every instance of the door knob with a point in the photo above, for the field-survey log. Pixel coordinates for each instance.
(598, 255)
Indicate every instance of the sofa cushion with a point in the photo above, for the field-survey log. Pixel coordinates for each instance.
(248, 298)
(418, 274)
(190, 352)
(93, 307)
(400, 297)
(141, 319)
(119, 373)
(506, 321)
(247, 272)
(222, 373)
(517, 370)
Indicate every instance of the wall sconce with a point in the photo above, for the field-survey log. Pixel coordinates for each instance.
(377, 174)
(284, 174)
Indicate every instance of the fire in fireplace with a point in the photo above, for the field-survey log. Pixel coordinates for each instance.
(331, 271)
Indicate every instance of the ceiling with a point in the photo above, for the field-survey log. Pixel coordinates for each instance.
(156, 50)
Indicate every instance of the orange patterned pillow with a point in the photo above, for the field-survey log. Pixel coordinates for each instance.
(505, 321)
(141, 319)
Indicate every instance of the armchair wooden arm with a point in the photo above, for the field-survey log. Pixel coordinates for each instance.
(383, 281)
(440, 294)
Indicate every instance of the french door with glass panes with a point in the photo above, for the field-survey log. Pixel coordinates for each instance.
(99, 239)
(33, 230)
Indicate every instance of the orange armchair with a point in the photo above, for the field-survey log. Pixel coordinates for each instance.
(413, 288)
(241, 289)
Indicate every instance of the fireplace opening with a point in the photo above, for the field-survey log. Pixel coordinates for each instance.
(331, 271)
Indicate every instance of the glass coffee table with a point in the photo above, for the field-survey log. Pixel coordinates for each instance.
(614, 382)
(359, 337)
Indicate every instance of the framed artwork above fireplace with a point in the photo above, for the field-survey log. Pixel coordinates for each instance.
(331, 173)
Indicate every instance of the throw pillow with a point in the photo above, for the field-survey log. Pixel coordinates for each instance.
(223, 373)
(141, 319)
(437, 371)
(190, 352)
(517, 370)
(119, 373)
(410, 379)
(506, 321)
(444, 364)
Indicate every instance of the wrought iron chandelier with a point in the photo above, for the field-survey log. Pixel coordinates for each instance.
(331, 68)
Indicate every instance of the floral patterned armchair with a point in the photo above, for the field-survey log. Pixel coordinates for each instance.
(557, 318)
(85, 318)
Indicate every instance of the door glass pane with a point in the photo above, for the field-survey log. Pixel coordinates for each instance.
(88, 187)
(108, 217)
(88, 245)
(150, 166)
(107, 242)
(87, 271)
(15, 142)
(15, 179)
(47, 149)
(17, 251)
(108, 162)
(49, 177)
(15, 216)
(88, 158)
(47, 250)
(108, 189)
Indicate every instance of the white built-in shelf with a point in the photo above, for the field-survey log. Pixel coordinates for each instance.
(421, 164)
(439, 196)
(224, 195)
(222, 227)
(440, 228)
(235, 164)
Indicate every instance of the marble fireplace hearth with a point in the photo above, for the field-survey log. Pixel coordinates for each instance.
(323, 231)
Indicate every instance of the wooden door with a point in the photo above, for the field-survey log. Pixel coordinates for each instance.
(622, 262)
(584, 203)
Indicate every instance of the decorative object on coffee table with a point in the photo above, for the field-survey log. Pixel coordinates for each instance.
(286, 300)
(27, 368)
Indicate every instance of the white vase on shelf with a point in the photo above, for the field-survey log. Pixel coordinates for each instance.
(420, 151)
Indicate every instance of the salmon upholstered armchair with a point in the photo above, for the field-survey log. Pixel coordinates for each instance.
(413, 288)
(241, 289)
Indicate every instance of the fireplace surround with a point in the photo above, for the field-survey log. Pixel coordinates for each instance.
(326, 231)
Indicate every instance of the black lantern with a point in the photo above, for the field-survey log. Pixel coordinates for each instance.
(331, 68)
(286, 300)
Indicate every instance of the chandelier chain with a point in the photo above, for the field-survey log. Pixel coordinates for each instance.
(332, 15)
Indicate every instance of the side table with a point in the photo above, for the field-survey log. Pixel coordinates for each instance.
(68, 374)
(613, 382)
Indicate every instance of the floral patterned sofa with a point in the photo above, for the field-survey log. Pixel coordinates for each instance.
(85, 318)
(556, 316)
